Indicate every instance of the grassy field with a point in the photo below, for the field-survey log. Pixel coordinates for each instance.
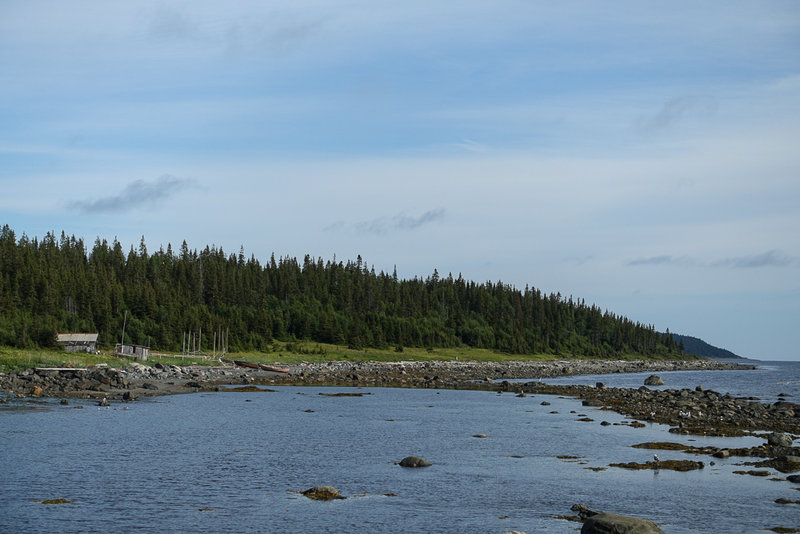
(280, 352)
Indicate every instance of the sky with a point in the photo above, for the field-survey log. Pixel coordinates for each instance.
(643, 156)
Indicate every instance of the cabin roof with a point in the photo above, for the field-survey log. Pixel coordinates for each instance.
(77, 338)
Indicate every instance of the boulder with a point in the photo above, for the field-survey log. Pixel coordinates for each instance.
(604, 523)
(780, 439)
(784, 464)
(653, 380)
(414, 461)
(794, 478)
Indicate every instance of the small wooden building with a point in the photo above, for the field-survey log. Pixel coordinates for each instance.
(78, 342)
(137, 352)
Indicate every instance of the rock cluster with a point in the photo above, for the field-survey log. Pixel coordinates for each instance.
(697, 411)
(452, 374)
(138, 380)
(125, 383)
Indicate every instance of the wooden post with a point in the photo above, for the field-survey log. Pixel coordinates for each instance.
(122, 342)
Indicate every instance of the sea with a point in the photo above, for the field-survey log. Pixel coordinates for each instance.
(238, 462)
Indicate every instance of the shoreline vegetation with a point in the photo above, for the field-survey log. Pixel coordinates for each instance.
(295, 352)
(161, 299)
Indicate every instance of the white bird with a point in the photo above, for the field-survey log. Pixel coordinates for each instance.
(655, 457)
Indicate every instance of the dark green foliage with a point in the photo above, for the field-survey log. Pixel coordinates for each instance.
(698, 347)
(51, 286)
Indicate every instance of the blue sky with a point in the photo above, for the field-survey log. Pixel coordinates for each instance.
(640, 155)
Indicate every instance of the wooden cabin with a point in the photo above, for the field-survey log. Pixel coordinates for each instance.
(78, 342)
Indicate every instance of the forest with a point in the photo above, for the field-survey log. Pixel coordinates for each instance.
(56, 284)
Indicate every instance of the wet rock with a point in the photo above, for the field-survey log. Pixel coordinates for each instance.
(673, 465)
(794, 479)
(414, 461)
(57, 501)
(784, 464)
(780, 439)
(653, 380)
(605, 523)
(323, 493)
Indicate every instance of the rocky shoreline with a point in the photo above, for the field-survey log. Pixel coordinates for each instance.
(139, 380)
(697, 411)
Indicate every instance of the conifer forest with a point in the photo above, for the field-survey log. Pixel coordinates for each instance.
(58, 284)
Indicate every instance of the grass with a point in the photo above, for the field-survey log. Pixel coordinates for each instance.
(279, 352)
(306, 351)
(16, 359)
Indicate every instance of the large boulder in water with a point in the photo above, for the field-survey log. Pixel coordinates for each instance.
(414, 461)
(653, 380)
(604, 523)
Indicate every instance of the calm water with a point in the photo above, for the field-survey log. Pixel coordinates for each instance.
(232, 462)
(766, 382)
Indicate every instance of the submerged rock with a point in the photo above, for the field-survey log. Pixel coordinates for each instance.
(57, 501)
(323, 493)
(414, 461)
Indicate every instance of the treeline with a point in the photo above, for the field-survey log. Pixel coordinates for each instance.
(56, 284)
